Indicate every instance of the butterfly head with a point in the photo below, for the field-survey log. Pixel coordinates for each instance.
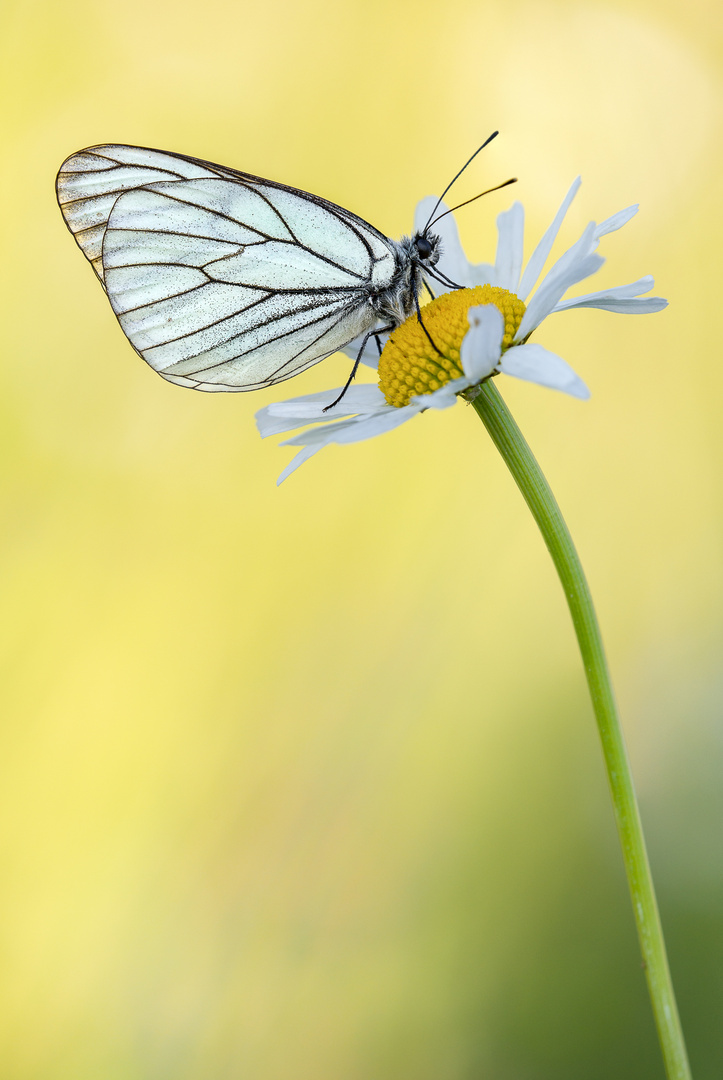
(426, 249)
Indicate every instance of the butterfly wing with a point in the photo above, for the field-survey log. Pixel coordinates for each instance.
(219, 279)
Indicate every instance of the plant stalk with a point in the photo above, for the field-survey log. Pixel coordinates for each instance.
(536, 492)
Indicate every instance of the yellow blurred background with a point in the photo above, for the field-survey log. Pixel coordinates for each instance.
(304, 782)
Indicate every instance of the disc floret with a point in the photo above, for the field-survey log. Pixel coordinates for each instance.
(410, 365)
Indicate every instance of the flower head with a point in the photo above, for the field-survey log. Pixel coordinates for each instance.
(417, 362)
(474, 332)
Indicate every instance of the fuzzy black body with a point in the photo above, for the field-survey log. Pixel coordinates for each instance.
(413, 255)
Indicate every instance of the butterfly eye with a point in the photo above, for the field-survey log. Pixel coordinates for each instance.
(424, 248)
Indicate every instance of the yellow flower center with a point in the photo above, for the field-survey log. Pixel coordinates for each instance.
(410, 365)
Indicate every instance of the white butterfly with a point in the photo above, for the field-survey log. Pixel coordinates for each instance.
(225, 281)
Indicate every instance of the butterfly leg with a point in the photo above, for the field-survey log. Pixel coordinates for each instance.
(421, 321)
(444, 280)
(372, 333)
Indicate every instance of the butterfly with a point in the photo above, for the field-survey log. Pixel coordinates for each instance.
(224, 281)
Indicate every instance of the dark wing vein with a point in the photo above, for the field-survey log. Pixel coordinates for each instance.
(253, 228)
(262, 322)
(171, 296)
(269, 341)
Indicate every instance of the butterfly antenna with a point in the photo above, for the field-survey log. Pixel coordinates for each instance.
(512, 180)
(454, 180)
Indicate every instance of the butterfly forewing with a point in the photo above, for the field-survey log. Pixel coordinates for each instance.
(89, 183)
(221, 280)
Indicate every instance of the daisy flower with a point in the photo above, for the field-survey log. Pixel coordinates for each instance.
(480, 329)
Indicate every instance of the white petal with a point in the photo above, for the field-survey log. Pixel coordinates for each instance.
(619, 298)
(367, 427)
(644, 305)
(538, 365)
(617, 221)
(286, 415)
(359, 398)
(544, 300)
(577, 263)
(482, 274)
(634, 288)
(272, 425)
(299, 459)
(453, 262)
(319, 436)
(508, 261)
(354, 430)
(482, 344)
(539, 255)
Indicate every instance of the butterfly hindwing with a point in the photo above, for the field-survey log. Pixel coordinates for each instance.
(221, 280)
(90, 182)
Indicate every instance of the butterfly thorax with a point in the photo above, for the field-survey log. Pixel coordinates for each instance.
(412, 256)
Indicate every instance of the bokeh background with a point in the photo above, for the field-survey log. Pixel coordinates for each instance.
(304, 782)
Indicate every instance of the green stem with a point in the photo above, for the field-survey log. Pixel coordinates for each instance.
(518, 457)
